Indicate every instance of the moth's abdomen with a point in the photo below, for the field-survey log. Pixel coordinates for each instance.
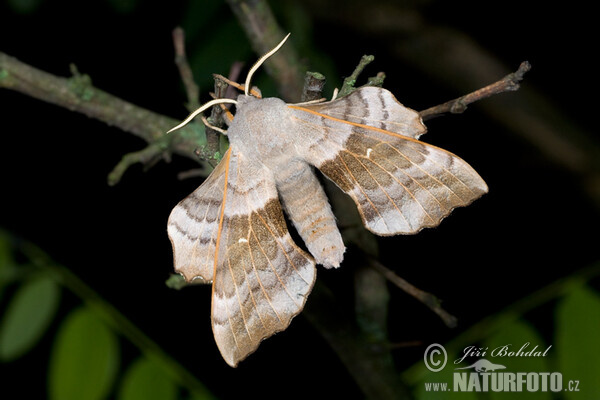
(308, 208)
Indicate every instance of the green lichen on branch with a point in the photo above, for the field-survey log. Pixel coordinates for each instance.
(348, 86)
(81, 84)
(376, 80)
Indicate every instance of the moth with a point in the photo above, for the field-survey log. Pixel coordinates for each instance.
(231, 231)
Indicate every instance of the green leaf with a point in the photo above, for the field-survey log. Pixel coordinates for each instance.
(27, 317)
(515, 336)
(84, 359)
(577, 343)
(146, 380)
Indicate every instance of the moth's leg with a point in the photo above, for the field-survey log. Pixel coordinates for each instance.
(211, 126)
(228, 115)
(254, 91)
(307, 206)
(335, 93)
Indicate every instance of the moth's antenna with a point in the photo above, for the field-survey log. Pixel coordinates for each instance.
(199, 110)
(260, 62)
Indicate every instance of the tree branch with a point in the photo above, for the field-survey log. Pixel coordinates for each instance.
(424, 297)
(78, 94)
(509, 83)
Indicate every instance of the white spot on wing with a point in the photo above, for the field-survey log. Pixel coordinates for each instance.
(243, 240)
(369, 150)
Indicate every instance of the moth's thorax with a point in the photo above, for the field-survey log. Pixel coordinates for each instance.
(261, 129)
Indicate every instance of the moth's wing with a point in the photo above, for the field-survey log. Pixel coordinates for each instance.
(375, 107)
(193, 226)
(399, 183)
(262, 278)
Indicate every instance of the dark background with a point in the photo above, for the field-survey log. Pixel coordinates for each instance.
(537, 224)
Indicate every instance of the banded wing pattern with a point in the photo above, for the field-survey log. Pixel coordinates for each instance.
(376, 107)
(399, 184)
(193, 226)
(261, 278)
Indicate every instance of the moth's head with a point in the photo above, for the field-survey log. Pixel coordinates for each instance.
(248, 95)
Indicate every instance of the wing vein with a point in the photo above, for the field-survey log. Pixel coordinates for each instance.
(398, 182)
(446, 170)
(402, 170)
(252, 262)
(286, 256)
(364, 194)
(266, 293)
(237, 295)
(407, 138)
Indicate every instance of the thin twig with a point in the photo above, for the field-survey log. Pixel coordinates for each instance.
(509, 83)
(148, 156)
(348, 86)
(77, 94)
(234, 85)
(212, 135)
(224, 88)
(142, 156)
(424, 297)
(209, 152)
(185, 71)
(376, 80)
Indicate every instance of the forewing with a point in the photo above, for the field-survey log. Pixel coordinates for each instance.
(262, 278)
(399, 183)
(193, 226)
